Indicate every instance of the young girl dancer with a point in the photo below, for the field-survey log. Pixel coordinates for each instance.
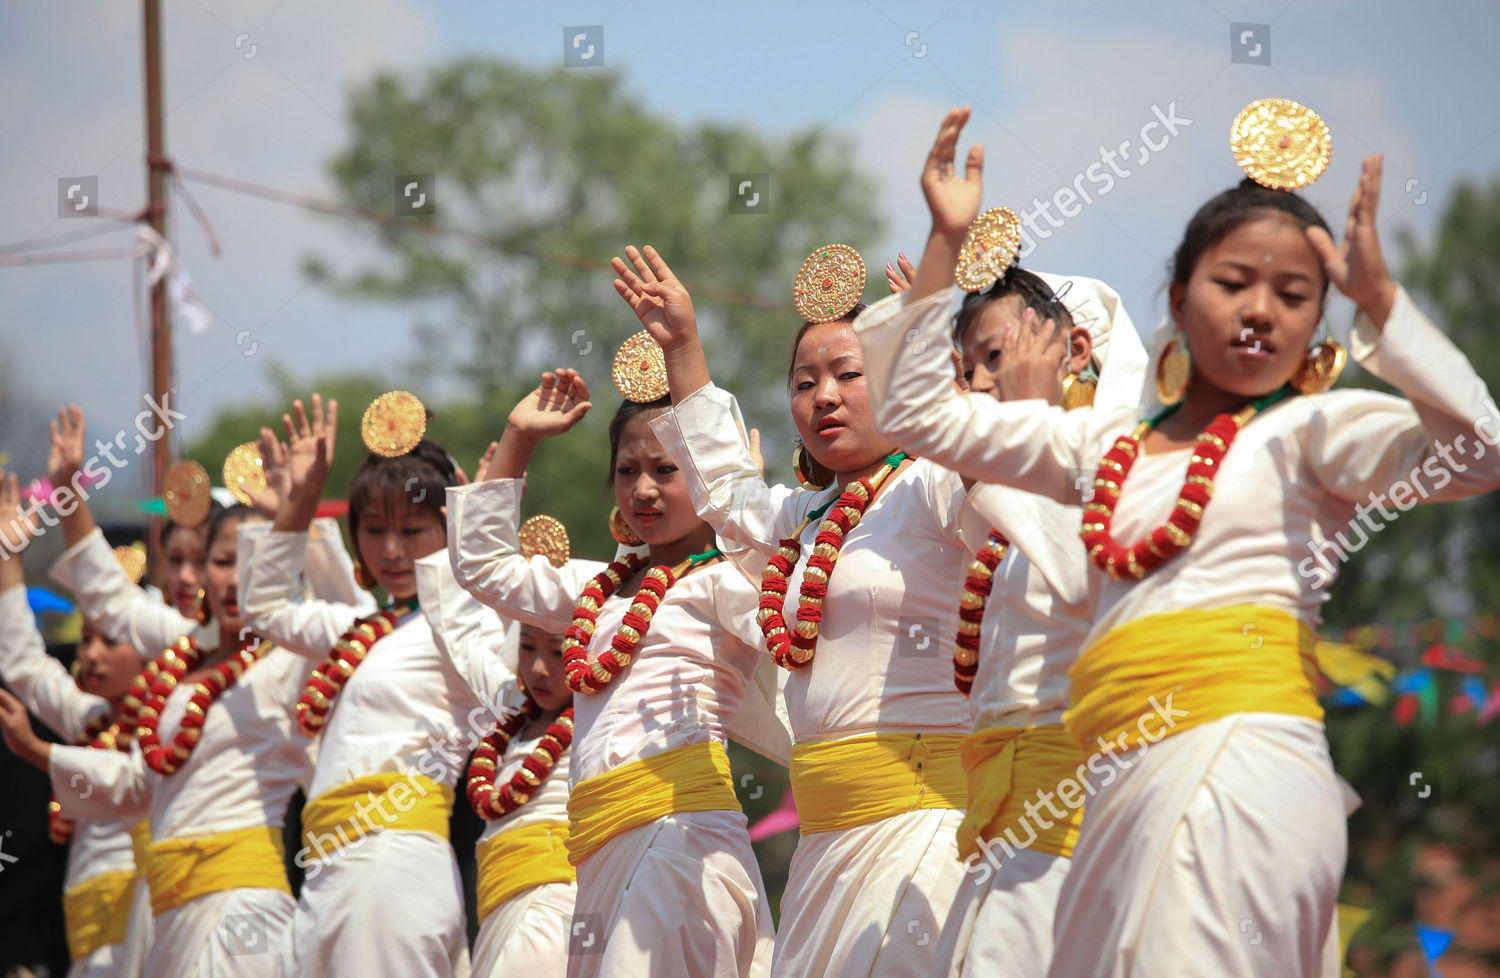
(99, 884)
(878, 726)
(667, 881)
(382, 894)
(215, 767)
(1214, 833)
(518, 781)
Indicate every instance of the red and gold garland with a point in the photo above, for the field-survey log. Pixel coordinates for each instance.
(1167, 541)
(171, 667)
(101, 734)
(491, 802)
(334, 671)
(585, 676)
(977, 587)
(794, 649)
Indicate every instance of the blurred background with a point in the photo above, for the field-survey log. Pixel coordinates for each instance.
(396, 194)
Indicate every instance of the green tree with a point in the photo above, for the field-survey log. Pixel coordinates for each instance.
(549, 174)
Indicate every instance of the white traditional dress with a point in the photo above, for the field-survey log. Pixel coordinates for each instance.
(1033, 629)
(876, 719)
(678, 891)
(1214, 826)
(382, 895)
(225, 804)
(525, 910)
(99, 882)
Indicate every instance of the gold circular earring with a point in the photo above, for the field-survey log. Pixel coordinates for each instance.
(1079, 388)
(621, 531)
(201, 611)
(1173, 370)
(806, 469)
(362, 576)
(1320, 367)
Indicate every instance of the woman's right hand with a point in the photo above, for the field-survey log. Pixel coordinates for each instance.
(559, 402)
(309, 447)
(19, 521)
(953, 201)
(66, 455)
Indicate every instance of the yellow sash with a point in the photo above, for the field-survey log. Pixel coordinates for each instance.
(846, 783)
(1010, 766)
(179, 870)
(96, 911)
(140, 844)
(515, 860)
(1166, 673)
(332, 821)
(694, 778)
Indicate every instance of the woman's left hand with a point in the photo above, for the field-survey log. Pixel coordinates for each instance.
(1357, 267)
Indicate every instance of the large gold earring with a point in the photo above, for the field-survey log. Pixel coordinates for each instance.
(1173, 370)
(201, 608)
(362, 577)
(621, 531)
(808, 471)
(1079, 389)
(1320, 367)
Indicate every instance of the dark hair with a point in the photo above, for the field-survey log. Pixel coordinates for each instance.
(628, 409)
(1035, 294)
(1239, 205)
(847, 317)
(422, 475)
(215, 510)
(226, 516)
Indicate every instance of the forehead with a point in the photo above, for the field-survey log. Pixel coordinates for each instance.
(1271, 239)
(637, 440)
(825, 343)
(228, 535)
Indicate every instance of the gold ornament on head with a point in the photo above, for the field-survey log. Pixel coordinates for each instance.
(829, 284)
(186, 493)
(393, 424)
(546, 536)
(132, 561)
(243, 471)
(640, 369)
(1281, 144)
(989, 249)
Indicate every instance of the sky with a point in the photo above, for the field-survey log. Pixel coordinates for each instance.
(256, 91)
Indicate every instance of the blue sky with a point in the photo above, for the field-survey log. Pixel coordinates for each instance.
(1050, 84)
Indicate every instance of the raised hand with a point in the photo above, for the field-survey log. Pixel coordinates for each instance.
(18, 526)
(655, 295)
(559, 402)
(273, 463)
(1357, 267)
(486, 462)
(898, 277)
(1031, 357)
(309, 446)
(953, 201)
(15, 727)
(65, 457)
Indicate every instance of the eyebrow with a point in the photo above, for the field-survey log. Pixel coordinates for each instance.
(1243, 266)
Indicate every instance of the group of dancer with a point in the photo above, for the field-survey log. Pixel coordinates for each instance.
(1109, 778)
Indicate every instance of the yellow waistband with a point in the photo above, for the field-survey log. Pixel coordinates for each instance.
(140, 844)
(96, 911)
(845, 783)
(694, 778)
(517, 859)
(1011, 767)
(1166, 673)
(179, 870)
(332, 821)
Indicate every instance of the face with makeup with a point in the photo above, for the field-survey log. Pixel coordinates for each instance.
(105, 668)
(831, 401)
(1251, 306)
(221, 578)
(980, 350)
(541, 668)
(649, 489)
(393, 534)
(184, 560)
